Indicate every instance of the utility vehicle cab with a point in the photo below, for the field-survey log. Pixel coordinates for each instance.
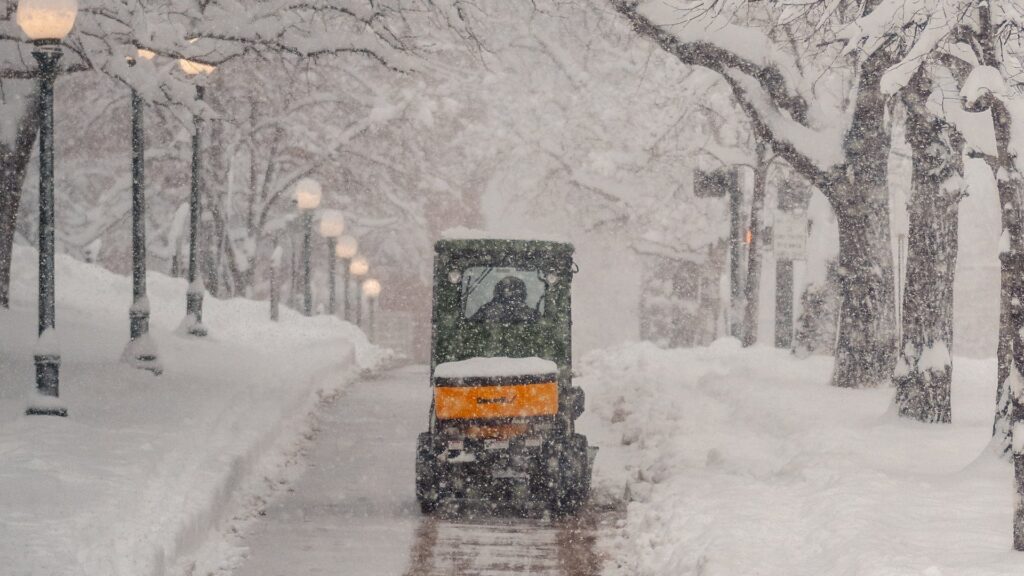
(502, 419)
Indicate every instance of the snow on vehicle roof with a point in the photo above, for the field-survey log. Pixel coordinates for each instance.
(462, 233)
(495, 367)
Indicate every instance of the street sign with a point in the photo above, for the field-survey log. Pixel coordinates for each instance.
(789, 236)
(715, 184)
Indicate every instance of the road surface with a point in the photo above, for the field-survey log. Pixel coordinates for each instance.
(353, 511)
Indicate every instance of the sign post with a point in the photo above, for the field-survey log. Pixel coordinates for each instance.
(789, 242)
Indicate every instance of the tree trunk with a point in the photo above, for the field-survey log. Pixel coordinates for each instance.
(753, 288)
(866, 351)
(14, 158)
(924, 373)
(1010, 185)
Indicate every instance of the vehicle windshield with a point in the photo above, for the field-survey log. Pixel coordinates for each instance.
(491, 294)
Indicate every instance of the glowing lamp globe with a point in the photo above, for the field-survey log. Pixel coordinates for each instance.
(371, 287)
(332, 223)
(46, 19)
(191, 67)
(307, 194)
(359, 266)
(347, 247)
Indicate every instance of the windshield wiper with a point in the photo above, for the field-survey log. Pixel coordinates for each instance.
(472, 285)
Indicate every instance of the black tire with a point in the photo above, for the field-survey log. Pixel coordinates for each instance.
(569, 481)
(428, 491)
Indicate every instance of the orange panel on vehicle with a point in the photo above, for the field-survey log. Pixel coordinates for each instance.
(481, 402)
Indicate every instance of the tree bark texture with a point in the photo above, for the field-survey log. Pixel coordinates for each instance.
(1011, 294)
(14, 158)
(924, 372)
(866, 351)
(857, 190)
(755, 248)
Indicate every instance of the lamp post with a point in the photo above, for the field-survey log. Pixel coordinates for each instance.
(141, 351)
(371, 288)
(332, 224)
(46, 23)
(307, 198)
(345, 249)
(193, 323)
(359, 267)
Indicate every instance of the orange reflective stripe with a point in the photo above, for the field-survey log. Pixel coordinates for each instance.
(472, 402)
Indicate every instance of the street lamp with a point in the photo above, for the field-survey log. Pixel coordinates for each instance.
(193, 323)
(358, 268)
(307, 198)
(332, 224)
(347, 247)
(371, 289)
(141, 350)
(46, 22)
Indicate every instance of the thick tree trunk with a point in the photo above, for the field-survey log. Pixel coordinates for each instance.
(858, 191)
(14, 158)
(753, 288)
(1011, 316)
(1009, 417)
(924, 373)
(866, 350)
(865, 353)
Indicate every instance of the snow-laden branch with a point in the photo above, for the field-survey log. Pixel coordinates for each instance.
(765, 81)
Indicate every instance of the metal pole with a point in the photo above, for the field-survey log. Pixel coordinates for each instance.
(783, 303)
(307, 247)
(47, 354)
(140, 351)
(899, 290)
(275, 294)
(275, 281)
(345, 280)
(735, 246)
(194, 296)
(332, 260)
(371, 303)
(359, 303)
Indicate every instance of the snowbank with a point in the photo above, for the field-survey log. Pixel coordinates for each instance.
(738, 462)
(145, 467)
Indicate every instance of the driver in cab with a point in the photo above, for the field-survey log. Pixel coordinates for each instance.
(508, 304)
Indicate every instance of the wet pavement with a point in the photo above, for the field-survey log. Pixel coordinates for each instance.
(493, 544)
(353, 512)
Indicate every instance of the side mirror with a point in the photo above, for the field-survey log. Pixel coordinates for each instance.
(575, 399)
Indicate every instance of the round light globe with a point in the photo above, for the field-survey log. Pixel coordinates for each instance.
(332, 223)
(359, 266)
(307, 194)
(46, 19)
(371, 288)
(347, 247)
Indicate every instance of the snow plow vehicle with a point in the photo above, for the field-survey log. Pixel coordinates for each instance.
(502, 418)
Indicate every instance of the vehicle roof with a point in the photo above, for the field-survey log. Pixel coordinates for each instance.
(500, 245)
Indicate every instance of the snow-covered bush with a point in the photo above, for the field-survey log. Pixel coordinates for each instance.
(819, 315)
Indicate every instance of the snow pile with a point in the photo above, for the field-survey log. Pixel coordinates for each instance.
(738, 461)
(145, 468)
(496, 367)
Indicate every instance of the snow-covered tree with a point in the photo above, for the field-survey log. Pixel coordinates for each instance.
(106, 33)
(820, 108)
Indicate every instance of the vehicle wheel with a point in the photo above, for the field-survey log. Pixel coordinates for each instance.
(570, 478)
(428, 491)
